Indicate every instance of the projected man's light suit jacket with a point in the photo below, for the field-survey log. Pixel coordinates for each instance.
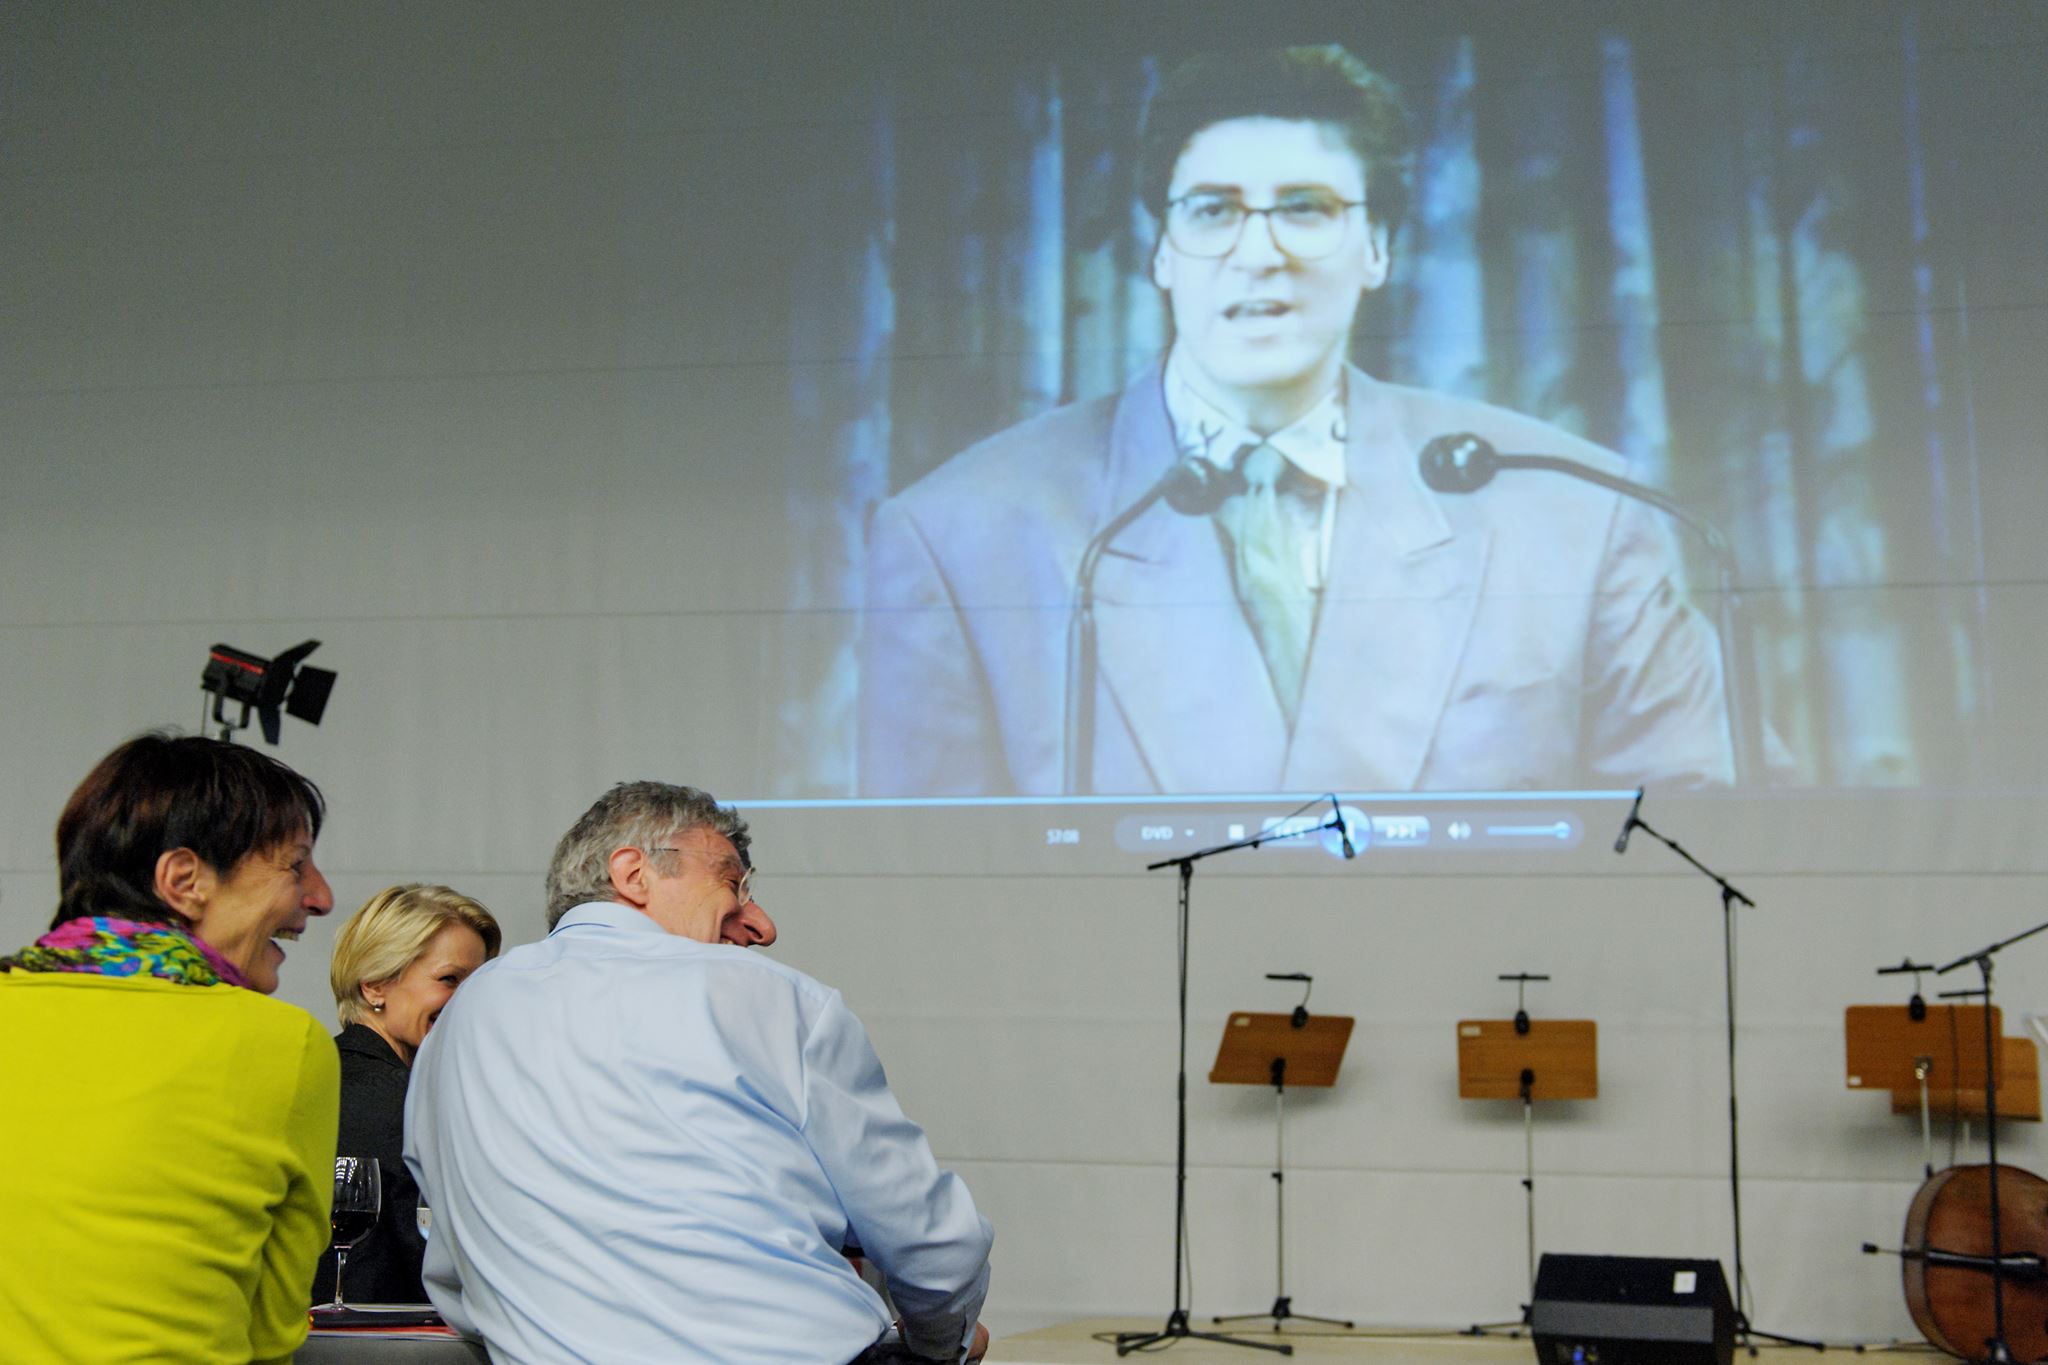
(1526, 635)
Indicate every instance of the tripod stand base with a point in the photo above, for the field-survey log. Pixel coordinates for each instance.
(1177, 1329)
(1513, 1330)
(1747, 1336)
(1282, 1311)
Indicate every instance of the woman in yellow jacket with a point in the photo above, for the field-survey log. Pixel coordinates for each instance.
(167, 1151)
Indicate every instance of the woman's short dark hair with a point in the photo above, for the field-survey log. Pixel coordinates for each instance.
(1323, 84)
(160, 792)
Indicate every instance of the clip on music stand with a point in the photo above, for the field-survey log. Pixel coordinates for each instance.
(1528, 1060)
(1905, 1050)
(1298, 1049)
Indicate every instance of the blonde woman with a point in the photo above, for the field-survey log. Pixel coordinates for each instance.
(396, 963)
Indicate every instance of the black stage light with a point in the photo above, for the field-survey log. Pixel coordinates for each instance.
(269, 687)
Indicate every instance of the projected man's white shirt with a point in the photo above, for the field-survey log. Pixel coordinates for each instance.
(1263, 332)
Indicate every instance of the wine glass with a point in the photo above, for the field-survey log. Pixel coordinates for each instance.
(358, 1197)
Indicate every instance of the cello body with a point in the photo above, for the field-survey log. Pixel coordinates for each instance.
(1952, 1305)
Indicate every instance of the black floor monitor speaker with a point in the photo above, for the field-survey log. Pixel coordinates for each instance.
(1631, 1310)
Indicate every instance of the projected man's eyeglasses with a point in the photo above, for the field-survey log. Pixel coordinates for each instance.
(1306, 224)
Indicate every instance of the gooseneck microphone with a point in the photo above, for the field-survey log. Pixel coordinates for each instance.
(1464, 462)
(1628, 826)
(1343, 828)
(1461, 463)
(1193, 487)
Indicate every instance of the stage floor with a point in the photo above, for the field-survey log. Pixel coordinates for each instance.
(1075, 1342)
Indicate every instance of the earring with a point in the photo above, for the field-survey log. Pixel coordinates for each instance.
(376, 1006)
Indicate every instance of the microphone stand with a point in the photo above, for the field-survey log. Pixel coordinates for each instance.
(1078, 752)
(1742, 734)
(1465, 463)
(1192, 487)
(1730, 896)
(1176, 1327)
(1996, 1351)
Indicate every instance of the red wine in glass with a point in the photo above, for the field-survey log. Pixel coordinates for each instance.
(349, 1225)
(358, 1196)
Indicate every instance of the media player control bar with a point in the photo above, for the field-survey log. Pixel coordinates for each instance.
(1164, 833)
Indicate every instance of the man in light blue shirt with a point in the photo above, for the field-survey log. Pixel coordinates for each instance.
(641, 1143)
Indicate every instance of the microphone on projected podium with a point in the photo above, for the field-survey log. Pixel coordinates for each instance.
(1464, 462)
(1194, 487)
(1628, 825)
(1343, 827)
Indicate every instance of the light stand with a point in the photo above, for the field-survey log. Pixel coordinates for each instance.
(1744, 1332)
(1996, 1352)
(1176, 1327)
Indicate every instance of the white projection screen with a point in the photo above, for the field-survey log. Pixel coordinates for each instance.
(729, 394)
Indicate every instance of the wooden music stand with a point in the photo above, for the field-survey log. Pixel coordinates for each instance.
(2019, 1088)
(1885, 1043)
(1281, 1050)
(1528, 1060)
(1562, 1056)
(1940, 1052)
(1252, 1043)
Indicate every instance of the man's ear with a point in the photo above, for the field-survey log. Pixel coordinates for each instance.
(1162, 266)
(1379, 256)
(630, 873)
(184, 882)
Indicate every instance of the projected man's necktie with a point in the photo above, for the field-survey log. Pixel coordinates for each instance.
(1268, 534)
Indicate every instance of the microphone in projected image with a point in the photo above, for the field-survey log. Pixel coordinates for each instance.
(1193, 487)
(1465, 463)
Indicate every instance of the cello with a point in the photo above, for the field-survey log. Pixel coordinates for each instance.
(1948, 1261)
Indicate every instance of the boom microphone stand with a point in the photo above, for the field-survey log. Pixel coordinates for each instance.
(1176, 1327)
(1744, 1332)
(1996, 1352)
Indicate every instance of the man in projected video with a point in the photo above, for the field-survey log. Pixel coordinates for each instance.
(1334, 624)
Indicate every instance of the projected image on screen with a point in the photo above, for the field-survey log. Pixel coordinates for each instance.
(1307, 613)
(1440, 410)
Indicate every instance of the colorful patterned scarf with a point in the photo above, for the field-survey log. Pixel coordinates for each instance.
(125, 947)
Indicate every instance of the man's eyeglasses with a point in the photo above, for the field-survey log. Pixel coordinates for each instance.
(745, 890)
(1306, 224)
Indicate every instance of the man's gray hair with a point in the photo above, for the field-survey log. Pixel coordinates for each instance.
(641, 815)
